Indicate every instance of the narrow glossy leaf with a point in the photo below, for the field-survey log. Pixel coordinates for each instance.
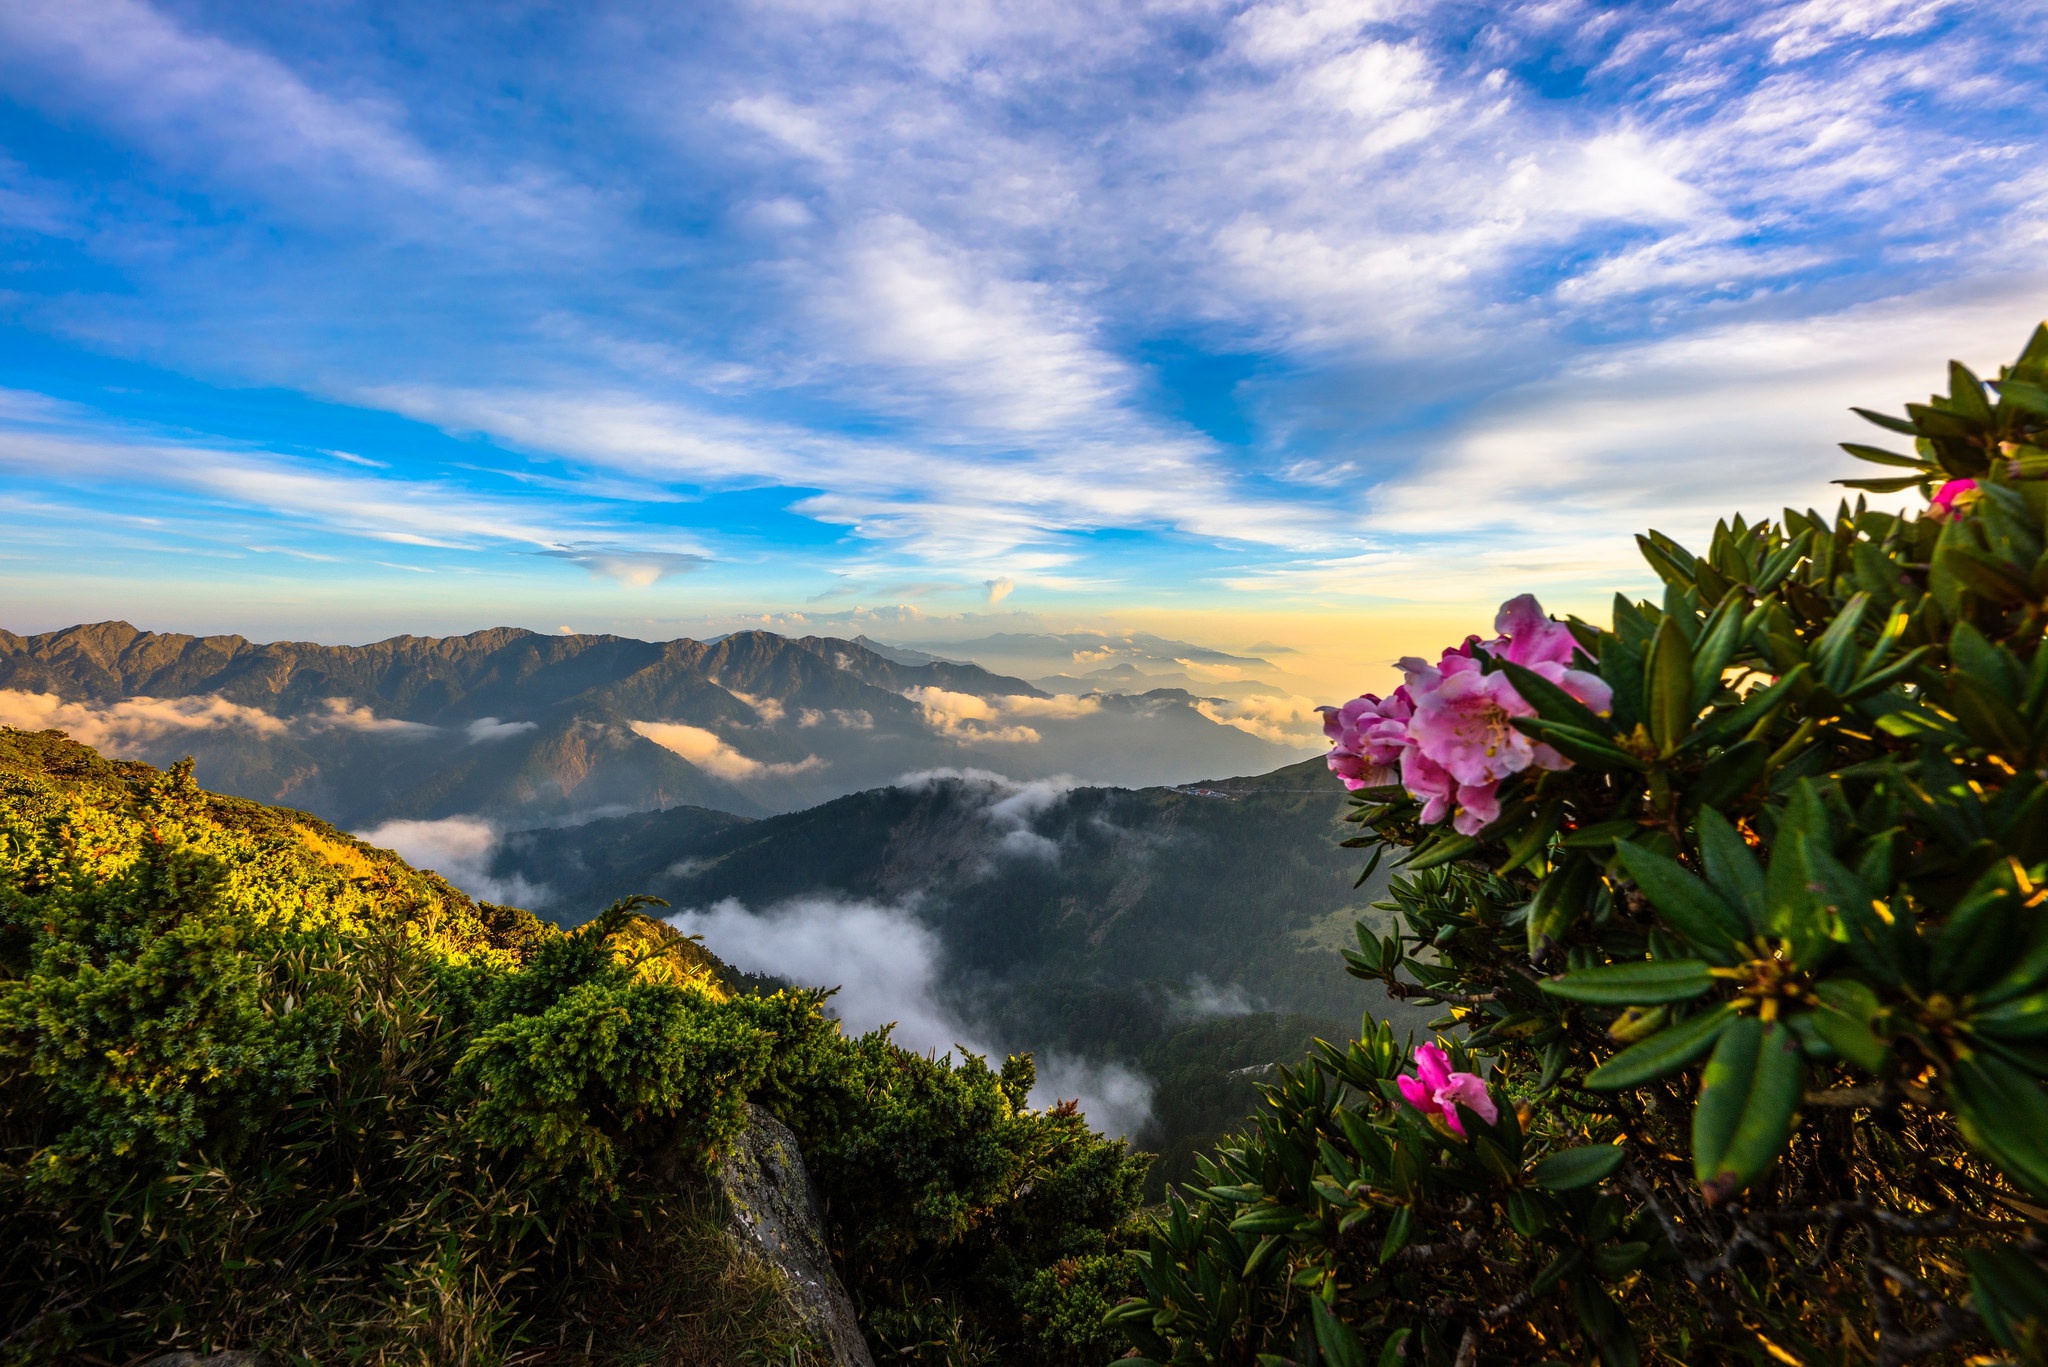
(1664, 1052)
(2003, 1115)
(1748, 1099)
(1850, 1038)
(1889, 484)
(1667, 692)
(1731, 866)
(1633, 984)
(1580, 1167)
(1718, 640)
(1339, 1341)
(1877, 455)
(2024, 1018)
(1580, 747)
(1695, 909)
(1887, 421)
(1834, 654)
(1399, 1230)
(1442, 851)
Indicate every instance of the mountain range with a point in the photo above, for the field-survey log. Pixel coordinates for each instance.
(519, 728)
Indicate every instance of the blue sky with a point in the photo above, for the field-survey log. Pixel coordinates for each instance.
(1255, 321)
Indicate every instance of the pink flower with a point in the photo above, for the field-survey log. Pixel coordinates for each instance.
(1368, 735)
(1448, 733)
(1528, 637)
(1954, 498)
(1541, 646)
(1463, 721)
(1436, 1090)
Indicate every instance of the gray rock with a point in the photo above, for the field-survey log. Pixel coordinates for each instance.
(775, 1211)
(233, 1357)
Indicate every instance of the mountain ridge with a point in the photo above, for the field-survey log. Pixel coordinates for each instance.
(522, 728)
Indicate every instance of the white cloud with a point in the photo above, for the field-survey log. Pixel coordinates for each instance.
(130, 727)
(964, 716)
(1205, 998)
(490, 728)
(846, 718)
(768, 710)
(1281, 719)
(119, 728)
(888, 968)
(709, 752)
(460, 849)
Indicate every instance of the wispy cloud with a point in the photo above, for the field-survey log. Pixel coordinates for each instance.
(715, 755)
(1291, 299)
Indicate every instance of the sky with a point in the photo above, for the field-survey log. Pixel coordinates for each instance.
(1316, 328)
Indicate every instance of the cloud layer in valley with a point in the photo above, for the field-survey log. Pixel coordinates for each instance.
(461, 849)
(887, 967)
(135, 728)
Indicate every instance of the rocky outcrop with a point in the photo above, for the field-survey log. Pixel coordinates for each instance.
(776, 1213)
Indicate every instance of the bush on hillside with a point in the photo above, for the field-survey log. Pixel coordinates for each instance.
(1735, 908)
(263, 1086)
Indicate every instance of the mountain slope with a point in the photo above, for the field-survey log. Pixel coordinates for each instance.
(1032, 888)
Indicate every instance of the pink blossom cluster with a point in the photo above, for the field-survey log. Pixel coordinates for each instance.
(1436, 1090)
(1447, 734)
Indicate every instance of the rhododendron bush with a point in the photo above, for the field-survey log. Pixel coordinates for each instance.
(1737, 909)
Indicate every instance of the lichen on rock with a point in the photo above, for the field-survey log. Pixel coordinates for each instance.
(774, 1210)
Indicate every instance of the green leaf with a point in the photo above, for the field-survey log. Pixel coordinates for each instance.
(1887, 422)
(1339, 1342)
(1394, 1351)
(2024, 1018)
(1667, 691)
(1877, 455)
(1399, 1230)
(1683, 900)
(1718, 640)
(1851, 1038)
(2008, 1290)
(1581, 747)
(1552, 703)
(1664, 1052)
(1580, 1167)
(1890, 484)
(1273, 1219)
(2003, 1115)
(1834, 654)
(1633, 984)
(1441, 851)
(1731, 866)
(1749, 1098)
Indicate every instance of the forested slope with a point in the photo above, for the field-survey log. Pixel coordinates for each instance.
(263, 1086)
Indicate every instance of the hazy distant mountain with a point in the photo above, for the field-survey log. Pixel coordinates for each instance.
(521, 728)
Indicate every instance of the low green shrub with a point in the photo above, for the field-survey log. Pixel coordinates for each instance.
(264, 1086)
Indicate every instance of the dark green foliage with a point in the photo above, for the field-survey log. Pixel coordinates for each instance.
(262, 1086)
(1761, 980)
